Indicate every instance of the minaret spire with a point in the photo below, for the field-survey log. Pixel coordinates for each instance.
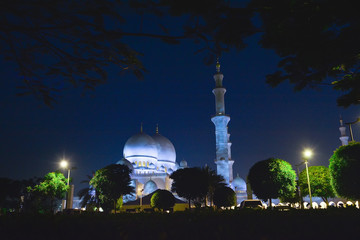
(157, 128)
(223, 159)
(141, 127)
(217, 65)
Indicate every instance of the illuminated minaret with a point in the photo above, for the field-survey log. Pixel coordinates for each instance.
(343, 138)
(223, 159)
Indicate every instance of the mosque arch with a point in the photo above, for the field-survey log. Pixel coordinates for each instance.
(323, 205)
(340, 204)
(150, 186)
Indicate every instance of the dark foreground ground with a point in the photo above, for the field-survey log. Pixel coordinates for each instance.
(298, 224)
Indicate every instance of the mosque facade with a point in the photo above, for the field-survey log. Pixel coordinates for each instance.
(152, 159)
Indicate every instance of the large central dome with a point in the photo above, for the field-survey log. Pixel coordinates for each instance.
(147, 154)
(166, 150)
(140, 145)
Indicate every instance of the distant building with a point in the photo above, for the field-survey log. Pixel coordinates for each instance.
(152, 159)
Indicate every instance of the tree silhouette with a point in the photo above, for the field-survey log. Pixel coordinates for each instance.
(190, 183)
(318, 42)
(214, 181)
(58, 44)
(88, 195)
(224, 197)
(112, 182)
(162, 199)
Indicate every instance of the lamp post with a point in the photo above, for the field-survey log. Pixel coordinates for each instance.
(64, 164)
(350, 128)
(306, 155)
(141, 195)
(299, 190)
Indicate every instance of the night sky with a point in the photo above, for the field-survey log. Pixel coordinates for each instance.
(176, 93)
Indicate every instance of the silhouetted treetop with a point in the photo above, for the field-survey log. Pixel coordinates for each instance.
(59, 44)
(318, 42)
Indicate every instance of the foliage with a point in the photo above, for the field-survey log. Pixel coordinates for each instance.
(214, 181)
(88, 195)
(57, 44)
(320, 179)
(65, 43)
(162, 199)
(344, 170)
(111, 182)
(10, 193)
(318, 42)
(190, 183)
(293, 197)
(224, 197)
(54, 186)
(272, 178)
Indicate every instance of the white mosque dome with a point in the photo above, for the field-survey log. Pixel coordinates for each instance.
(140, 145)
(126, 163)
(239, 184)
(166, 150)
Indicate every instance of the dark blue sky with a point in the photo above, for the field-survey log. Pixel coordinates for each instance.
(176, 94)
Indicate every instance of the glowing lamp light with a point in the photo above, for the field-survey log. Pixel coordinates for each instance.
(64, 164)
(307, 153)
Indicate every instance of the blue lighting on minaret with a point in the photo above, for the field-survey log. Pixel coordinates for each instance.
(223, 159)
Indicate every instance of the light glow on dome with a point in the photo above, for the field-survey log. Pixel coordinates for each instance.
(146, 152)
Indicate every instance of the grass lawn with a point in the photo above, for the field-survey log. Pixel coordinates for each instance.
(235, 224)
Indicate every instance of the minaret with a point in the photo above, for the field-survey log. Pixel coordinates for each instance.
(343, 138)
(223, 159)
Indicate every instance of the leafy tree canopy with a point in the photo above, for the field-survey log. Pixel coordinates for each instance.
(214, 181)
(162, 199)
(318, 42)
(320, 185)
(62, 43)
(344, 170)
(53, 187)
(272, 178)
(88, 194)
(190, 183)
(224, 197)
(111, 182)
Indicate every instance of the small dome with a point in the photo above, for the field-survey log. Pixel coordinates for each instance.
(166, 150)
(239, 184)
(183, 164)
(140, 145)
(150, 187)
(126, 163)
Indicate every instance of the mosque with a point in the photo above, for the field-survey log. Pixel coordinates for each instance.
(152, 159)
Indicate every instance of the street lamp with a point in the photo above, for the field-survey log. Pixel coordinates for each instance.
(350, 129)
(306, 155)
(298, 188)
(65, 164)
